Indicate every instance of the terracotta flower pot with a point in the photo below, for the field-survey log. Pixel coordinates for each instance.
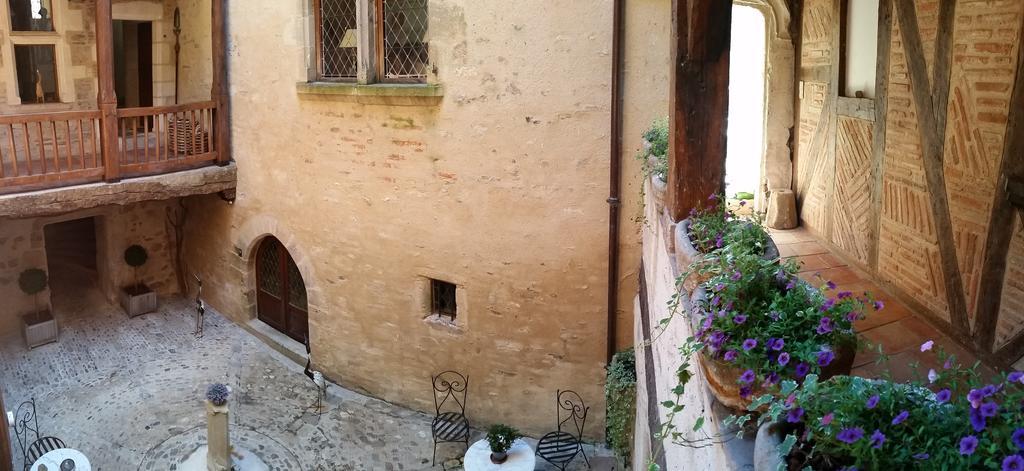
(689, 257)
(723, 377)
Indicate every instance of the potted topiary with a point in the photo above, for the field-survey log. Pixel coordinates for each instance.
(500, 437)
(40, 327)
(137, 299)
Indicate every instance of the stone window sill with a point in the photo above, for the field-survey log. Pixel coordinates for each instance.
(444, 323)
(415, 94)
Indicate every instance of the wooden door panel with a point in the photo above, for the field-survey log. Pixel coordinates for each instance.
(281, 294)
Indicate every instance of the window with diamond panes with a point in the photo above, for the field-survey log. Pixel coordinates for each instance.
(296, 288)
(337, 39)
(403, 33)
(442, 299)
(269, 267)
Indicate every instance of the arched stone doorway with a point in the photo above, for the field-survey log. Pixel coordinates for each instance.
(281, 300)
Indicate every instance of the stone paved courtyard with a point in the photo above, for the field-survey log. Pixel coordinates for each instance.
(127, 392)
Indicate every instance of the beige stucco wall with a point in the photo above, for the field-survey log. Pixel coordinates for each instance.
(22, 246)
(499, 188)
(196, 70)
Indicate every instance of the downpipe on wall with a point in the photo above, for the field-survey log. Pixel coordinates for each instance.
(615, 175)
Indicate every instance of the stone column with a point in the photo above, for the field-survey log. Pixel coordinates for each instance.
(218, 454)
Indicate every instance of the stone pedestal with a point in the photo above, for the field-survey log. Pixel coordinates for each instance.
(781, 210)
(218, 454)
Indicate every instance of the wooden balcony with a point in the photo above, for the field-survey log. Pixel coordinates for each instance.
(50, 150)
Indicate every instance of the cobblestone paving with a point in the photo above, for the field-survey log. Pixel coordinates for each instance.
(127, 392)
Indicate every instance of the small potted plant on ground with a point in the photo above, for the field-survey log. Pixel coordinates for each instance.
(500, 437)
(654, 159)
(759, 324)
(137, 299)
(949, 419)
(40, 326)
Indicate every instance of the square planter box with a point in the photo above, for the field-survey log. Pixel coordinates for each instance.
(40, 328)
(138, 300)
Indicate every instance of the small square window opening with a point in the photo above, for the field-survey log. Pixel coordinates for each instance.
(31, 15)
(37, 73)
(442, 299)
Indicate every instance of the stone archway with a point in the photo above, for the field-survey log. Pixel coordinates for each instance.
(249, 237)
(780, 95)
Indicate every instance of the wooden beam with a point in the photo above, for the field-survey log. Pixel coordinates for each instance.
(1001, 220)
(219, 92)
(878, 134)
(699, 102)
(107, 97)
(932, 149)
(6, 458)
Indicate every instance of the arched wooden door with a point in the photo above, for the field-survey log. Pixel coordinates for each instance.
(280, 292)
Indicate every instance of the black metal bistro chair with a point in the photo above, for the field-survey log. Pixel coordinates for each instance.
(450, 424)
(26, 429)
(561, 446)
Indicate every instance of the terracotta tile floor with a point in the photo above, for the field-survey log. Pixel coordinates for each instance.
(897, 328)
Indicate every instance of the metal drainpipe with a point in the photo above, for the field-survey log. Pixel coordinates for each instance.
(614, 186)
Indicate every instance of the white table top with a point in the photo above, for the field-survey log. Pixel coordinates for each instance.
(53, 459)
(520, 458)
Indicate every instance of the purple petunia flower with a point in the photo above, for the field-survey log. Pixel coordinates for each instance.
(830, 285)
(728, 306)
(717, 338)
(852, 316)
(927, 345)
(745, 392)
(989, 409)
(977, 420)
(719, 242)
(943, 396)
(719, 287)
(713, 197)
(989, 390)
(1018, 438)
(968, 444)
(721, 314)
(827, 305)
(731, 355)
(1013, 463)
(693, 212)
(827, 418)
(739, 318)
(749, 344)
(1016, 377)
(921, 456)
(774, 315)
(716, 300)
(771, 379)
(900, 417)
(975, 396)
(736, 275)
(877, 439)
(825, 357)
(824, 326)
(795, 415)
(780, 275)
(777, 344)
(747, 377)
(948, 364)
(872, 402)
(850, 435)
(879, 306)
(802, 369)
(790, 285)
(783, 359)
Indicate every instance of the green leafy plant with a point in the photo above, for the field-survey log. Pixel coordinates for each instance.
(949, 418)
(136, 256)
(500, 438)
(761, 318)
(715, 227)
(657, 136)
(620, 395)
(32, 282)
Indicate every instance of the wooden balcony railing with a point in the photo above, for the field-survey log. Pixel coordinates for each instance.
(49, 150)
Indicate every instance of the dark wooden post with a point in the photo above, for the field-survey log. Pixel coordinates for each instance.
(107, 98)
(699, 102)
(6, 459)
(219, 92)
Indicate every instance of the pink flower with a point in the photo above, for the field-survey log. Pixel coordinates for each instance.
(827, 419)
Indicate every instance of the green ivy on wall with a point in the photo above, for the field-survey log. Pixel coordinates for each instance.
(620, 395)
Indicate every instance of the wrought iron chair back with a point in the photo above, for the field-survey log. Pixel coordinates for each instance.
(572, 412)
(41, 447)
(26, 424)
(450, 389)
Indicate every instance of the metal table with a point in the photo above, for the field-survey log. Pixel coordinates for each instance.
(520, 458)
(53, 459)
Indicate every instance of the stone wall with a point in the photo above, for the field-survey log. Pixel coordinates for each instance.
(499, 188)
(863, 183)
(22, 246)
